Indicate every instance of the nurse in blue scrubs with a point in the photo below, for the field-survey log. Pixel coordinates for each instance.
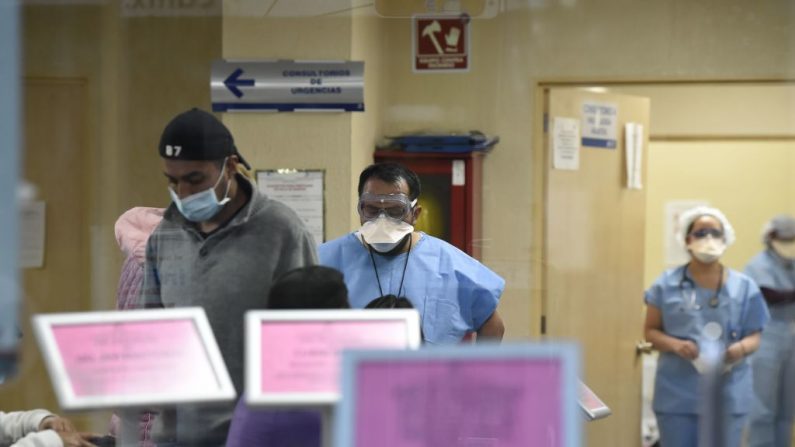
(680, 303)
(773, 365)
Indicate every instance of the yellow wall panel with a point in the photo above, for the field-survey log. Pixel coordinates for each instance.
(750, 181)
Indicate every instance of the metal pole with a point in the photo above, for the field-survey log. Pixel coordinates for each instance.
(9, 180)
(711, 430)
(327, 425)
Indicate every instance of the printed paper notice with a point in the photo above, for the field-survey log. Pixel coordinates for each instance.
(300, 190)
(566, 143)
(32, 229)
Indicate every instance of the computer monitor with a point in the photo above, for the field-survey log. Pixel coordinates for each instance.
(460, 396)
(293, 356)
(592, 406)
(132, 358)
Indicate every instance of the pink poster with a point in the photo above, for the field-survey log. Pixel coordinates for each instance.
(459, 403)
(134, 358)
(304, 357)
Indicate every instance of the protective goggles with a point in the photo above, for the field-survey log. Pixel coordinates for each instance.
(396, 206)
(704, 232)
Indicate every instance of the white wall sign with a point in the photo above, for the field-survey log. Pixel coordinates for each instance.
(301, 190)
(599, 124)
(633, 148)
(565, 143)
(32, 229)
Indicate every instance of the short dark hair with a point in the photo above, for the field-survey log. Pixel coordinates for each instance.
(390, 302)
(312, 287)
(391, 172)
(393, 302)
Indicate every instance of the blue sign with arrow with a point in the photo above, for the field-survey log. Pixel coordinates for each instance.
(287, 85)
(234, 81)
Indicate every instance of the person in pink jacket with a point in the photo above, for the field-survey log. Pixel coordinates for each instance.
(132, 232)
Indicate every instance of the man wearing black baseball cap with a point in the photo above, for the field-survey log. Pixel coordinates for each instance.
(219, 246)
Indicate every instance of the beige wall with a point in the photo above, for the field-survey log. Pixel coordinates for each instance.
(532, 42)
(750, 181)
(367, 44)
(296, 140)
(731, 145)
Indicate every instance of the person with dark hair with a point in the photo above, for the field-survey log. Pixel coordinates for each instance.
(219, 246)
(770, 423)
(314, 287)
(390, 302)
(454, 293)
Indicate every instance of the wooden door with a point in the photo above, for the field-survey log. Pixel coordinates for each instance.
(592, 269)
(55, 161)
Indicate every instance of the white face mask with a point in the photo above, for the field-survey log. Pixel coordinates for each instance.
(384, 233)
(707, 249)
(784, 249)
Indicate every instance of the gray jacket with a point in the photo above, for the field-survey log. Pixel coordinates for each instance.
(227, 273)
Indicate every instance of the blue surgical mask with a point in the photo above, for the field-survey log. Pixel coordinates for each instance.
(203, 205)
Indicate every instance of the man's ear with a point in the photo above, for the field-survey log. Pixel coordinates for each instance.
(416, 214)
(231, 165)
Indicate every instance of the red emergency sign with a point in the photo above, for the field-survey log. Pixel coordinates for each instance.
(441, 43)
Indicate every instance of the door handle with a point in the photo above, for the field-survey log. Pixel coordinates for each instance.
(643, 347)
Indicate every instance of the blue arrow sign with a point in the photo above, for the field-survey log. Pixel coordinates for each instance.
(234, 81)
(287, 85)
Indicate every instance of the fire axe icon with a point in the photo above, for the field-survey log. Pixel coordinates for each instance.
(451, 39)
(430, 31)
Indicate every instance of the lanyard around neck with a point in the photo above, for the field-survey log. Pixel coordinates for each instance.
(402, 277)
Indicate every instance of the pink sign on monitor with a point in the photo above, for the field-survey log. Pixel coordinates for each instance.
(132, 358)
(304, 356)
(135, 358)
(459, 403)
(590, 403)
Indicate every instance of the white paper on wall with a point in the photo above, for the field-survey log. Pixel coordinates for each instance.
(566, 143)
(32, 227)
(633, 142)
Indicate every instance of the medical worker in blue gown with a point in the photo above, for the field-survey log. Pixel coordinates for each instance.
(770, 423)
(679, 305)
(454, 293)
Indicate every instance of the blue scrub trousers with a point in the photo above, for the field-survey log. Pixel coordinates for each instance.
(681, 430)
(770, 422)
